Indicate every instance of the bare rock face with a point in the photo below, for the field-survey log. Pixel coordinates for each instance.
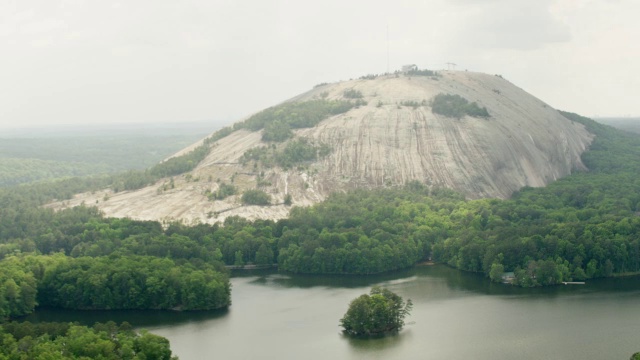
(524, 142)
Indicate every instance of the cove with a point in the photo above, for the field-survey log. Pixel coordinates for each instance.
(456, 315)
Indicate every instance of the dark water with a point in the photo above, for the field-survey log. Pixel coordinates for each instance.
(455, 316)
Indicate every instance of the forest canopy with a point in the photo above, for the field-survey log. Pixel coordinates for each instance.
(380, 312)
(580, 227)
(72, 341)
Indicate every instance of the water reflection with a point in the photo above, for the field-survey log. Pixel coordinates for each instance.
(369, 346)
(456, 315)
(137, 318)
(441, 277)
(421, 284)
(273, 277)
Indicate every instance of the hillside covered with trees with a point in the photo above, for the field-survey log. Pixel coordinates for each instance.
(580, 227)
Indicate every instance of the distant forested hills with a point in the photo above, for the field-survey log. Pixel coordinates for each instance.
(45, 154)
(631, 124)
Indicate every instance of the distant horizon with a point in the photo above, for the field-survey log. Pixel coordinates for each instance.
(6, 129)
(44, 130)
(76, 62)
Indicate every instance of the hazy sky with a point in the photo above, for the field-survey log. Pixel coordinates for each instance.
(99, 61)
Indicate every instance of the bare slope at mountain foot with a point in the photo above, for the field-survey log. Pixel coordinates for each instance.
(524, 142)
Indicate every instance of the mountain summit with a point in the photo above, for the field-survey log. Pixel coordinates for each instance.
(475, 133)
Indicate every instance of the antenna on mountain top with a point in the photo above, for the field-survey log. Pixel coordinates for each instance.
(387, 48)
(451, 66)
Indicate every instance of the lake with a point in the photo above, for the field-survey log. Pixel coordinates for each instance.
(455, 315)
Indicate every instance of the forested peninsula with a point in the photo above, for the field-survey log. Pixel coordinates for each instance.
(72, 341)
(583, 226)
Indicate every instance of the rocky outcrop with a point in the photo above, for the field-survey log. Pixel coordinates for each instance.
(524, 142)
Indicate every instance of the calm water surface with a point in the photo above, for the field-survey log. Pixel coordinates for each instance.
(455, 316)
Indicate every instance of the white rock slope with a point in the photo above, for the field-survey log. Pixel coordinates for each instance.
(524, 142)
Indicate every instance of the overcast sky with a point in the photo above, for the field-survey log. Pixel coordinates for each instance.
(99, 61)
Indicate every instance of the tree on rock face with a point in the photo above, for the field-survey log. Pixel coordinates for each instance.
(380, 312)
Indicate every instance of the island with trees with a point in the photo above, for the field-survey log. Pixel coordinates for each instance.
(378, 313)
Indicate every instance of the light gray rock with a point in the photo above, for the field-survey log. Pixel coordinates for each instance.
(524, 142)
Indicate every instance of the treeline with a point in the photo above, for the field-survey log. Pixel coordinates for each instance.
(294, 153)
(456, 106)
(363, 232)
(105, 283)
(14, 171)
(278, 121)
(72, 341)
(256, 197)
(358, 229)
(137, 179)
(423, 72)
(352, 94)
(131, 282)
(41, 156)
(583, 226)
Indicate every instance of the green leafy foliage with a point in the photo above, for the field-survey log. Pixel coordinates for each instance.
(71, 341)
(115, 282)
(278, 121)
(368, 77)
(261, 154)
(132, 282)
(583, 226)
(256, 197)
(364, 232)
(14, 171)
(299, 151)
(414, 104)
(580, 227)
(41, 156)
(293, 153)
(277, 131)
(220, 134)
(456, 106)
(380, 312)
(18, 290)
(224, 191)
(180, 164)
(423, 72)
(352, 94)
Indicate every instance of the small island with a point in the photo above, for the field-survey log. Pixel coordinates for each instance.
(379, 313)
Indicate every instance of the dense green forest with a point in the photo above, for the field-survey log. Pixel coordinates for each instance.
(583, 226)
(378, 313)
(24, 340)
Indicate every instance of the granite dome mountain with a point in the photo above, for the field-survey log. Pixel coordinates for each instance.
(475, 133)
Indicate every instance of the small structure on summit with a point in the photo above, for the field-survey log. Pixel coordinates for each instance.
(410, 67)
